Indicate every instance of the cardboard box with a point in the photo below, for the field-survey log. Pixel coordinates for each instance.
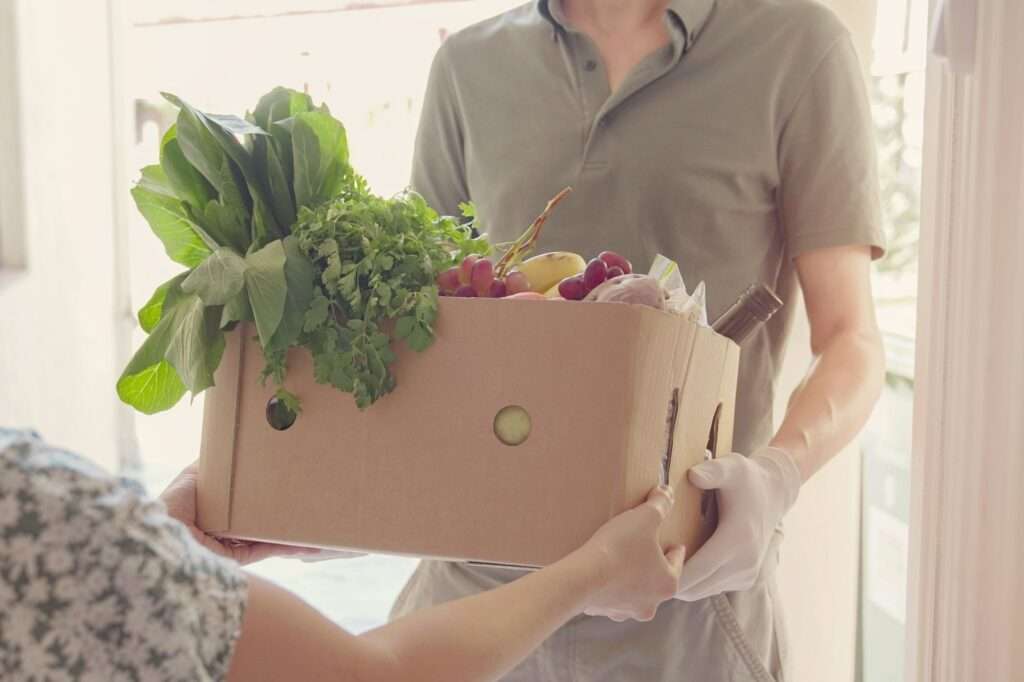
(421, 472)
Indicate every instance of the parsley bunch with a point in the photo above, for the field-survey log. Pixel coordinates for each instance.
(376, 261)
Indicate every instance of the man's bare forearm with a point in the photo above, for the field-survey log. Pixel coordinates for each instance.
(835, 399)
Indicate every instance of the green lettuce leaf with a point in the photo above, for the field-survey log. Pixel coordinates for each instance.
(300, 274)
(238, 309)
(197, 344)
(279, 104)
(152, 311)
(268, 288)
(181, 353)
(217, 279)
(320, 157)
(189, 184)
(227, 217)
(171, 223)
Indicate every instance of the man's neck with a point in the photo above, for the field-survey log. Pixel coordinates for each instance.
(611, 17)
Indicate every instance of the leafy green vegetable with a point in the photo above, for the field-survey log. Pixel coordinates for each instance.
(227, 217)
(170, 223)
(267, 286)
(217, 279)
(300, 275)
(189, 184)
(196, 344)
(181, 352)
(277, 228)
(320, 151)
(377, 260)
(151, 312)
(238, 309)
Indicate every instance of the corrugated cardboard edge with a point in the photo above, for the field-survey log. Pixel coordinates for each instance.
(626, 489)
(213, 494)
(727, 397)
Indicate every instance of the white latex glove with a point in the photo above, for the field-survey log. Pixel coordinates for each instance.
(754, 493)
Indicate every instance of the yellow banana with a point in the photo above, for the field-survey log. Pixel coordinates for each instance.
(548, 269)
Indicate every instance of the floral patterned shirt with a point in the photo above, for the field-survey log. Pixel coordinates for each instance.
(98, 583)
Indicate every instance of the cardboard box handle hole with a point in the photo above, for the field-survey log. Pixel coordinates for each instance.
(707, 498)
(512, 425)
(279, 416)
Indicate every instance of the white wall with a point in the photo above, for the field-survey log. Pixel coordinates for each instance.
(818, 574)
(58, 317)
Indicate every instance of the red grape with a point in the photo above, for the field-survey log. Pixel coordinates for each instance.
(498, 289)
(466, 269)
(448, 281)
(572, 288)
(466, 291)
(595, 274)
(482, 276)
(615, 271)
(516, 282)
(612, 259)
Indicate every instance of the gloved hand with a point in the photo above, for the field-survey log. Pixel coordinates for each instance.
(754, 493)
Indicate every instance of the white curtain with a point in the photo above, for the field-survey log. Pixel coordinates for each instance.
(967, 557)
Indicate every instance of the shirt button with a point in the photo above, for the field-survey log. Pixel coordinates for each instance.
(590, 65)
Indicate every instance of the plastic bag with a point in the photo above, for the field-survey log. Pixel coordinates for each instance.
(692, 306)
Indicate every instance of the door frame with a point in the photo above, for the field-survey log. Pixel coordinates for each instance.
(966, 603)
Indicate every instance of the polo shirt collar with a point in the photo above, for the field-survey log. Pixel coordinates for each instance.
(689, 15)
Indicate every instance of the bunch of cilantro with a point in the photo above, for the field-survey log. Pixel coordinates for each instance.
(275, 228)
(377, 261)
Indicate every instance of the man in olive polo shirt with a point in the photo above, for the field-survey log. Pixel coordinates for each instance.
(733, 136)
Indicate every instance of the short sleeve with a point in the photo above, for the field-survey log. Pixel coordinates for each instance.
(98, 583)
(438, 166)
(829, 191)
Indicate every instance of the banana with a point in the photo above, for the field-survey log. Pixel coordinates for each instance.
(553, 291)
(548, 269)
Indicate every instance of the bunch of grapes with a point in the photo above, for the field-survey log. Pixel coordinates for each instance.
(474, 277)
(608, 265)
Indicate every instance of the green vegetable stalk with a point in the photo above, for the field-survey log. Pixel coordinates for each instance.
(276, 228)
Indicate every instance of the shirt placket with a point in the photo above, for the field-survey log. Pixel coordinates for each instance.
(599, 104)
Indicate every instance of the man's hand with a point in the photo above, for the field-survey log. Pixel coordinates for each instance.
(180, 499)
(753, 495)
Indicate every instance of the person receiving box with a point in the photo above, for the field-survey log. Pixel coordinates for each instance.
(98, 582)
(734, 137)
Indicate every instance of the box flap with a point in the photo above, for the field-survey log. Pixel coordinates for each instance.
(220, 427)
